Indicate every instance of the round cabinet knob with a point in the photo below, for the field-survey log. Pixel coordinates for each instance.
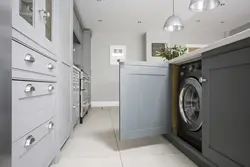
(51, 88)
(50, 66)
(74, 106)
(29, 88)
(51, 125)
(202, 80)
(29, 58)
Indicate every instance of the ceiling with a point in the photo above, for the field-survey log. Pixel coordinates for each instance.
(123, 15)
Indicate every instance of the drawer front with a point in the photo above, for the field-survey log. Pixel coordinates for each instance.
(26, 59)
(40, 152)
(33, 103)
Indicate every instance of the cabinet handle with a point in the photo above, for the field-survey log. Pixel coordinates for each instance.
(51, 87)
(45, 13)
(201, 80)
(51, 125)
(74, 106)
(29, 88)
(29, 141)
(50, 66)
(29, 58)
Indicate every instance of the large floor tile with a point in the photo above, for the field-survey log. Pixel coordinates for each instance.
(90, 147)
(91, 162)
(171, 160)
(144, 146)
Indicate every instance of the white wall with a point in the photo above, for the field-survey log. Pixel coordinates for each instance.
(105, 77)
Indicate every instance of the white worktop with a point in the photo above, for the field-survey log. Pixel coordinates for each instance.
(197, 54)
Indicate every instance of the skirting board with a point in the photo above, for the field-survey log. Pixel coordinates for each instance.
(104, 103)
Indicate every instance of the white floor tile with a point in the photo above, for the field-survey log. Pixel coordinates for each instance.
(91, 162)
(145, 146)
(95, 144)
(90, 147)
(171, 160)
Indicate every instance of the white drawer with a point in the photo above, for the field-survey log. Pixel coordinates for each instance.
(34, 62)
(31, 109)
(41, 149)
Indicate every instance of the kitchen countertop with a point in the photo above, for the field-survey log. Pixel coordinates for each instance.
(197, 54)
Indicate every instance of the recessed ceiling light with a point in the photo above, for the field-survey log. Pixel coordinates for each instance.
(99, 20)
(222, 22)
(198, 21)
(139, 22)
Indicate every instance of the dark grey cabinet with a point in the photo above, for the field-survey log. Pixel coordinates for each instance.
(226, 105)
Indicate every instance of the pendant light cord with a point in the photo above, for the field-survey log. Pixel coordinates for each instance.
(173, 7)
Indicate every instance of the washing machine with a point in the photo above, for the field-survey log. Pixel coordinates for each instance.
(190, 97)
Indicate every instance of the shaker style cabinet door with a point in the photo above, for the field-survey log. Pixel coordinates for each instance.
(225, 104)
(48, 25)
(34, 19)
(144, 100)
(25, 17)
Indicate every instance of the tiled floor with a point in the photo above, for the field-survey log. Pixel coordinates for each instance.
(95, 144)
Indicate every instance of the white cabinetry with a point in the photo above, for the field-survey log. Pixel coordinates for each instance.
(35, 19)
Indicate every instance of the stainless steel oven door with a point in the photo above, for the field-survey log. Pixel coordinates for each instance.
(190, 103)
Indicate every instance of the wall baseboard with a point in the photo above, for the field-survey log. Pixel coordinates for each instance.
(104, 103)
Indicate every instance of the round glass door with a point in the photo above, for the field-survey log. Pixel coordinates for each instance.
(190, 104)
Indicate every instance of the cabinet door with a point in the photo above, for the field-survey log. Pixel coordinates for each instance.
(24, 17)
(144, 100)
(47, 24)
(64, 32)
(64, 106)
(225, 105)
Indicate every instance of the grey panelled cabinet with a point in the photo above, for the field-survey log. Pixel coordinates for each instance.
(87, 51)
(144, 100)
(225, 105)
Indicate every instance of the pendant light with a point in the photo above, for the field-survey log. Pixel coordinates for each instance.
(203, 5)
(173, 23)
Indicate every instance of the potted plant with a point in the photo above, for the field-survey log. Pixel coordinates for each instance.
(169, 53)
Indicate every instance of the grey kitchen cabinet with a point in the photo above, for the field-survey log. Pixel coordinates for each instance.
(87, 35)
(145, 107)
(64, 42)
(225, 105)
(77, 27)
(35, 19)
(64, 106)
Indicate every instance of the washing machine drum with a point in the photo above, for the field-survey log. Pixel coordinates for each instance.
(190, 104)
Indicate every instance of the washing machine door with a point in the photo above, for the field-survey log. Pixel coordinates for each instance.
(190, 103)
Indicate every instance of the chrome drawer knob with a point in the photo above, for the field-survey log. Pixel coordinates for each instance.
(50, 88)
(51, 125)
(50, 66)
(29, 58)
(201, 80)
(29, 141)
(29, 88)
(74, 106)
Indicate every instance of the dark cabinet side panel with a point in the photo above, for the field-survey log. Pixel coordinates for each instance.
(226, 95)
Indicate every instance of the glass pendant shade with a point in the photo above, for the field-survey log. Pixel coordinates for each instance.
(203, 5)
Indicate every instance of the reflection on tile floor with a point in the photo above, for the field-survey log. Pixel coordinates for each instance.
(95, 143)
